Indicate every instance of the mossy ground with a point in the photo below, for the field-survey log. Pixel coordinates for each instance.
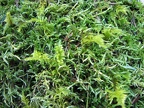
(71, 54)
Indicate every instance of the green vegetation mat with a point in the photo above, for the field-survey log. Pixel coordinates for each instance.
(71, 54)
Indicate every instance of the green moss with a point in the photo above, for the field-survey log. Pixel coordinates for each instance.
(71, 54)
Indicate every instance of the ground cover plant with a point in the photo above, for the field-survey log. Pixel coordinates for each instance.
(71, 54)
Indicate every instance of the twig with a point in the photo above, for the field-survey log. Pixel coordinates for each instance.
(17, 3)
(136, 99)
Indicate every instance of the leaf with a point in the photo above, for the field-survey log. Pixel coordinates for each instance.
(91, 38)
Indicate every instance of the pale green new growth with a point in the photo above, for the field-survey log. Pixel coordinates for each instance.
(9, 22)
(59, 54)
(120, 96)
(92, 38)
(121, 9)
(38, 56)
(25, 101)
(112, 32)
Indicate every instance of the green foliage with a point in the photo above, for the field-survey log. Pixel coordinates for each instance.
(112, 32)
(59, 54)
(25, 101)
(97, 39)
(120, 96)
(71, 54)
(38, 56)
(121, 9)
(9, 22)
